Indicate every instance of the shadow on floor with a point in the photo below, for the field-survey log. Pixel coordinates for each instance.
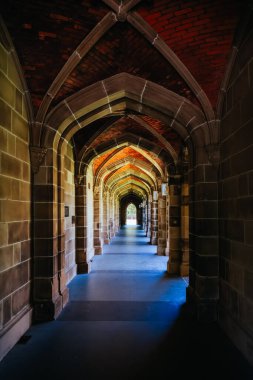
(74, 348)
(126, 320)
(191, 349)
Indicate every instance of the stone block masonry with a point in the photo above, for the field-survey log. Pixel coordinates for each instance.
(236, 205)
(69, 221)
(15, 195)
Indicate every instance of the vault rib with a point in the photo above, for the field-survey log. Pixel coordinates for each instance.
(143, 90)
(178, 110)
(74, 116)
(79, 53)
(108, 100)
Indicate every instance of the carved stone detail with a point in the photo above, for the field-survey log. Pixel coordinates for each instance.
(37, 155)
(122, 16)
(79, 180)
(213, 152)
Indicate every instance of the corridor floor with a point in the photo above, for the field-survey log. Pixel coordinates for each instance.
(125, 320)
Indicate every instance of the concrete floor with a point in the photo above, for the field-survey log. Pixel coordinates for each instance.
(125, 320)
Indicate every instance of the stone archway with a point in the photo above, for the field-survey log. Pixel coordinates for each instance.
(122, 93)
(125, 201)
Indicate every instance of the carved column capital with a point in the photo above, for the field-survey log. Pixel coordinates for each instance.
(96, 191)
(37, 155)
(79, 180)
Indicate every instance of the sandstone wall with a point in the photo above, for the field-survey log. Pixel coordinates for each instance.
(15, 213)
(236, 204)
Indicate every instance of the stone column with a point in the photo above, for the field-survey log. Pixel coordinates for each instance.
(162, 231)
(148, 218)
(174, 230)
(144, 217)
(81, 228)
(116, 216)
(106, 237)
(111, 218)
(154, 222)
(61, 228)
(98, 241)
(50, 293)
(184, 266)
(203, 290)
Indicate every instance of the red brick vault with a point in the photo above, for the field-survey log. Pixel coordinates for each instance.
(123, 102)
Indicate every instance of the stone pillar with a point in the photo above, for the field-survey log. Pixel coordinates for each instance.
(116, 216)
(81, 228)
(154, 222)
(174, 230)
(50, 293)
(184, 266)
(61, 228)
(148, 231)
(203, 290)
(111, 217)
(98, 240)
(144, 217)
(106, 237)
(117, 226)
(162, 230)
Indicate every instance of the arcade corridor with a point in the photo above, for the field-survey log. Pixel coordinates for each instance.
(125, 320)
(126, 186)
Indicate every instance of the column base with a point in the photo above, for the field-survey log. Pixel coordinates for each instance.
(153, 241)
(184, 270)
(173, 268)
(83, 268)
(97, 250)
(65, 297)
(161, 251)
(48, 310)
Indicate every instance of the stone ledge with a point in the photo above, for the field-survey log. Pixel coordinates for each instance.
(12, 333)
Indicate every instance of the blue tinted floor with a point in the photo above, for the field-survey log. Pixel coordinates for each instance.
(125, 320)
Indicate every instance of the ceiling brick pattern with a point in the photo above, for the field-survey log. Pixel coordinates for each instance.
(200, 33)
(123, 49)
(46, 34)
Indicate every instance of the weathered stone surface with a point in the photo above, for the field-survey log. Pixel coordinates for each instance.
(21, 298)
(6, 257)
(19, 126)
(13, 279)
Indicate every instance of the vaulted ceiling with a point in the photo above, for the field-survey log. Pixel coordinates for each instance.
(64, 46)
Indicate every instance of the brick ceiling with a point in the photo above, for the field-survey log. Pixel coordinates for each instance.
(119, 51)
(126, 153)
(46, 33)
(109, 129)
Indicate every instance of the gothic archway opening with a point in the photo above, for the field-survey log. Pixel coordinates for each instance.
(137, 166)
(131, 215)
